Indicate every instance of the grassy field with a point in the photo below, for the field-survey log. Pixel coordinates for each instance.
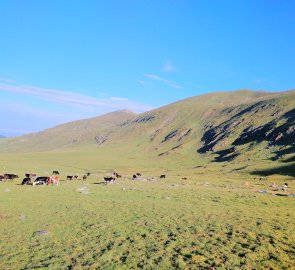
(215, 219)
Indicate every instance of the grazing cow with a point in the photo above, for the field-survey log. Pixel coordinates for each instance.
(55, 172)
(30, 175)
(72, 177)
(10, 176)
(88, 174)
(26, 181)
(162, 176)
(84, 177)
(109, 179)
(41, 180)
(53, 180)
(115, 174)
(138, 174)
(184, 178)
(134, 176)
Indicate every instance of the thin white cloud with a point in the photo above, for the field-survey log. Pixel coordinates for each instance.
(259, 80)
(168, 67)
(158, 78)
(74, 99)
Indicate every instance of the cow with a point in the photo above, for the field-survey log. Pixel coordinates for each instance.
(162, 176)
(53, 180)
(134, 176)
(72, 177)
(55, 172)
(109, 179)
(184, 178)
(138, 174)
(84, 176)
(30, 175)
(88, 174)
(2, 177)
(115, 174)
(27, 181)
(10, 176)
(41, 180)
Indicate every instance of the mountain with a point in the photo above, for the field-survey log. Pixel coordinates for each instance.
(1, 136)
(218, 127)
(89, 131)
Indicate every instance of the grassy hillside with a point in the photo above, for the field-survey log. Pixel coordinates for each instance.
(90, 131)
(243, 127)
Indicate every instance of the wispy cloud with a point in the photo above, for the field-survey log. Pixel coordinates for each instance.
(74, 99)
(259, 80)
(168, 67)
(160, 79)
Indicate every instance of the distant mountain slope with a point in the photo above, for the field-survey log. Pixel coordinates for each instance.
(220, 127)
(1, 136)
(89, 131)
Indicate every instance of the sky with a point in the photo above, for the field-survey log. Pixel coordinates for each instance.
(66, 60)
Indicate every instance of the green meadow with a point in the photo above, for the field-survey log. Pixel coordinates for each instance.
(215, 219)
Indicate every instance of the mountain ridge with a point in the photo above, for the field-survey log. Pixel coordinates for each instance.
(217, 127)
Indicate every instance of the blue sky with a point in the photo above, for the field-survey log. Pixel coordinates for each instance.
(67, 60)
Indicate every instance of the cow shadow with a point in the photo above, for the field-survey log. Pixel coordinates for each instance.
(99, 183)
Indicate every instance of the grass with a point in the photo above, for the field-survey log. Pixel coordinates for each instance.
(211, 221)
(216, 219)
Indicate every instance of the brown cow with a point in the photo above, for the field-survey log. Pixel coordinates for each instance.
(30, 175)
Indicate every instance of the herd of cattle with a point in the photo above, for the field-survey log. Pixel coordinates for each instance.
(33, 179)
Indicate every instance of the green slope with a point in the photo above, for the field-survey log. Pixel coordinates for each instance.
(89, 131)
(240, 127)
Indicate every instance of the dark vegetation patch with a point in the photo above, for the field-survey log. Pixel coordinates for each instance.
(154, 134)
(170, 135)
(239, 169)
(167, 152)
(213, 135)
(226, 155)
(291, 159)
(184, 134)
(288, 170)
(278, 132)
(100, 139)
(225, 158)
(144, 119)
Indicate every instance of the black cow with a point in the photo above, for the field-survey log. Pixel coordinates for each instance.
(138, 174)
(10, 176)
(109, 179)
(88, 174)
(27, 181)
(84, 176)
(41, 180)
(134, 176)
(72, 177)
(162, 176)
(55, 172)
